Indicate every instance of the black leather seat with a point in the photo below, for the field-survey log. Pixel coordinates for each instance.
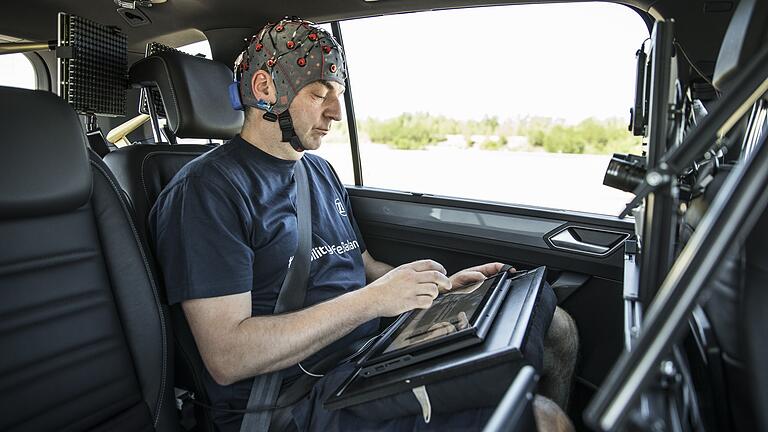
(84, 339)
(194, 93)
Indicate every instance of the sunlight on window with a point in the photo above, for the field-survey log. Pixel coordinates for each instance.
(202, 47)
(17, 71)
(518, 104)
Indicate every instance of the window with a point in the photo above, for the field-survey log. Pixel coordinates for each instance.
(518, 104)
(335, 148)
(201, 47)
(17, 71)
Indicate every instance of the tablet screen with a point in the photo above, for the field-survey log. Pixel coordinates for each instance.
(451, 312)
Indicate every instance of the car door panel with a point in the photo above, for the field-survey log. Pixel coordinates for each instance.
(401, 227)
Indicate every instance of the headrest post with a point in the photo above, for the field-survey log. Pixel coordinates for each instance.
(155, 123)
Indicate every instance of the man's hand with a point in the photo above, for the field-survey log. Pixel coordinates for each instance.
(410, 286)
(474, 274)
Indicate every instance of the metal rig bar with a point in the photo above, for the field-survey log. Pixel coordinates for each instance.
(22, 47)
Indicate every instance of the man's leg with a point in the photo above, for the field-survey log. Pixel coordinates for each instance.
(549, 417)
(561, 346)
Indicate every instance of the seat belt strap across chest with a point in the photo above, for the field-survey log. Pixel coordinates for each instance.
(266, 387)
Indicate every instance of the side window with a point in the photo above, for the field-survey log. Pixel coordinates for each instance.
(17, 71)
(336, 148)
(201, 47)
(518, 104)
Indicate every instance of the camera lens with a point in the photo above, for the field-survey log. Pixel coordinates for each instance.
(625, 172)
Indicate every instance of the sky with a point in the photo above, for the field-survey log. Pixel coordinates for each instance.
(569, 61)
(566, 61)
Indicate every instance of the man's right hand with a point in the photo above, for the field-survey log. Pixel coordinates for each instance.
(410, 286)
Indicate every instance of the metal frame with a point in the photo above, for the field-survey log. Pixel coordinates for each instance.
(733, 213)
(657, 241)
(510, 414)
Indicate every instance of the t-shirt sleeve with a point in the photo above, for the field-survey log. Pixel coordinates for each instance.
(200, 235)
(348, 205)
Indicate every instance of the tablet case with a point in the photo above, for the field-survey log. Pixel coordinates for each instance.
(474, 377)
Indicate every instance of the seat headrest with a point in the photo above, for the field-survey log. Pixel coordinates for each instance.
(44, 164)
(745, 35)
(194, 92)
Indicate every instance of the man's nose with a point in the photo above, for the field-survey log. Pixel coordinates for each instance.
(334, 109)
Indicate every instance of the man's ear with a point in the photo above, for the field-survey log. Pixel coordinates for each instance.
(262, 86)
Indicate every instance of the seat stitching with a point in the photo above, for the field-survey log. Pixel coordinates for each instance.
(154, 153)
(151, 283)
(170, 87)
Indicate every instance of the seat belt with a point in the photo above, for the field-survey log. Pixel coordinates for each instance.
(266, 387)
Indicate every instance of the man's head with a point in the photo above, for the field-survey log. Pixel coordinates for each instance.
(292, 64)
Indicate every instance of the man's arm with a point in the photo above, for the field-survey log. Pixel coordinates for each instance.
(374, 269)
(234, 345)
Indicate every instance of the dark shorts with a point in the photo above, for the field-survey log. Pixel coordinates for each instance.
(310, 415)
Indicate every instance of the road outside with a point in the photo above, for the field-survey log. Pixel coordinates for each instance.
(553, 180)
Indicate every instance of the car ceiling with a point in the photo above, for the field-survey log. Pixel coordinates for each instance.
(700, 24)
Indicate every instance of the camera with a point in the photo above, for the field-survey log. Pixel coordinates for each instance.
(625, 172)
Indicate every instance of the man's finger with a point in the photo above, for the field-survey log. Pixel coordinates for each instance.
(488, 269)
(424, 302)
(468, 277)
(436, 278)
(463, 321)
(432, 276)
(426, 265)
(430, 289)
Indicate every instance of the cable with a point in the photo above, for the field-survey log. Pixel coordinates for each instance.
(310, 373)
(362, 348)
(693, 66)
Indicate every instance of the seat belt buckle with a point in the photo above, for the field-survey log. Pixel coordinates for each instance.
(182, 396)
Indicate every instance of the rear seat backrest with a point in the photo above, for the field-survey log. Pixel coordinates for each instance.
(194, 93)
(83, 334)
(195, 98)
(143, 170)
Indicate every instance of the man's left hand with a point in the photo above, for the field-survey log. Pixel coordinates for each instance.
(475, 274)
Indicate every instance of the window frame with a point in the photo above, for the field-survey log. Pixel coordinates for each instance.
(355, 147)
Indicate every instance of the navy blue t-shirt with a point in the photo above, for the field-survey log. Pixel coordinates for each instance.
(226, 224)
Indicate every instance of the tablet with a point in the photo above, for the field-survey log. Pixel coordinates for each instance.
(456, 319)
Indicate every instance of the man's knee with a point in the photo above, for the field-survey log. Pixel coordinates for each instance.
(549, 417)
(562, 335)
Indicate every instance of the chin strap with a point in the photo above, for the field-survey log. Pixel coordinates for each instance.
(286, 127)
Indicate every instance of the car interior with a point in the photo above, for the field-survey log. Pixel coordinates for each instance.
(669, 301)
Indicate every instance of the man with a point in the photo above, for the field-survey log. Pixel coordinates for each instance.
(225, 233)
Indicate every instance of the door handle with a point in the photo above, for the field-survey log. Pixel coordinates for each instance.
(566, 240)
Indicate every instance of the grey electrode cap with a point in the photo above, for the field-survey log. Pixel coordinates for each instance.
(296, 53)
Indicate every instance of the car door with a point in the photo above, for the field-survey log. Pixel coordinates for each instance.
(425, 182)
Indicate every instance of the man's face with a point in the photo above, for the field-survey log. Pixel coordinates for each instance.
(313, 109)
